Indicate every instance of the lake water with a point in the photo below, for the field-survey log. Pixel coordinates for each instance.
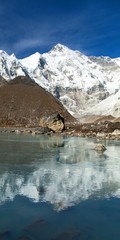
(58, 188)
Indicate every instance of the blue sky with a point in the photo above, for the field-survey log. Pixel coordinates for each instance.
(90, 26)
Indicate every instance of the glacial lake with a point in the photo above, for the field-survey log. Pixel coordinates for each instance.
(58, 188)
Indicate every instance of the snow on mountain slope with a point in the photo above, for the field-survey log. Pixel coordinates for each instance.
(78, 81)
(109, 106)
(71, 69)
(10, 67)
(32, 61)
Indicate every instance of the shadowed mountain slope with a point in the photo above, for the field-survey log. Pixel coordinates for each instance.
(23, 102)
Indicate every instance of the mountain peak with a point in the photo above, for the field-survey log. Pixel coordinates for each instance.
(13, 55)
(59, 47)
(3, 53)
(37, 54)
(31, 61)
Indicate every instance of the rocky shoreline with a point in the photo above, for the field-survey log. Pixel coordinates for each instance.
(101, 130)
(105, 130)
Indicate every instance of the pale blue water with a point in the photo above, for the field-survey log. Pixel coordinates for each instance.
(58, 188)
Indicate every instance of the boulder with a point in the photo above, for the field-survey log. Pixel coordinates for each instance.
(101, 135)
(55, 122)
(17, 131)
(100, 147)
(116, 132)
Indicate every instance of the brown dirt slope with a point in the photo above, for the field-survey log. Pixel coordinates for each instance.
(23, 102)
(2, 81)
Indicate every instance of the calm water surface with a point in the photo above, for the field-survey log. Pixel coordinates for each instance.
(54, 188)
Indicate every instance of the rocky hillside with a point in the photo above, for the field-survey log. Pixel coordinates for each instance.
(83, 84)
(23, 102)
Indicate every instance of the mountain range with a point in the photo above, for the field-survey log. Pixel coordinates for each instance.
(85, 85)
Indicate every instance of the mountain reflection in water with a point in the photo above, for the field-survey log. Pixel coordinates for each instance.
(62, 171)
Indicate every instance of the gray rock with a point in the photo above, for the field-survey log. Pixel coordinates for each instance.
(100, 147)
(54, 122)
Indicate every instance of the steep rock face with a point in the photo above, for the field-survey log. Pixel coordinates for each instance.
(23, 102)
(78, 81)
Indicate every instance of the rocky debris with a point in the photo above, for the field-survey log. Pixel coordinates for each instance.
(20, 130)
(106, 127)
(54, 122)
(42, 130)
(101, 135)
(100, 147)
(96, 129)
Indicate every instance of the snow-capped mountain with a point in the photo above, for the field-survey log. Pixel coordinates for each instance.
(10, 66)
(78, 81)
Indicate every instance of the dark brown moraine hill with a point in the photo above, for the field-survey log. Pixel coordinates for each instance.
(23, 102)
